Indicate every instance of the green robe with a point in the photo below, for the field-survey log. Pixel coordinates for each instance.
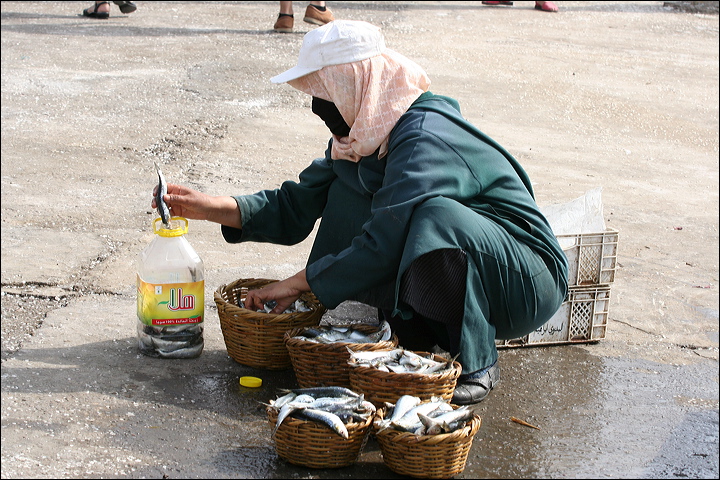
(442, 184)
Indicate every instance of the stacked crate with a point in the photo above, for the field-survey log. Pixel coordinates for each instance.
(583, 316)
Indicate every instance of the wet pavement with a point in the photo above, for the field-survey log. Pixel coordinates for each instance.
(622, 95)
(120, 414)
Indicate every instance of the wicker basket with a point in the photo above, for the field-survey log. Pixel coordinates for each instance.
(310, 444)
(326, 364)
(380, 387)
(426, 456)
(254, 338)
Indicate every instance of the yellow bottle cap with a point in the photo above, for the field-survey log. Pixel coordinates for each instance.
(252, 382)
(178, 227)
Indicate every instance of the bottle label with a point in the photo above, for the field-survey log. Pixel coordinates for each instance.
(170, 303)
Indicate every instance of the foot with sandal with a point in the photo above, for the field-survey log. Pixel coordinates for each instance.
(543, 6)
(101, 10)
(316, 13)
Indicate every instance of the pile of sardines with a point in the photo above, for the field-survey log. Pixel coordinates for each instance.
(399, 360)
(333, 334)
(331, 406)
(298, 306)
(437, 416)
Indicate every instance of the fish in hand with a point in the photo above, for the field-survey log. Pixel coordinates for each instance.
(162, 207)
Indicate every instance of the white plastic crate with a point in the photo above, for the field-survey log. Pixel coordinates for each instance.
(592, 257)
(582, 318)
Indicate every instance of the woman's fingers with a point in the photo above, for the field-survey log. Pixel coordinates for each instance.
(256, 299)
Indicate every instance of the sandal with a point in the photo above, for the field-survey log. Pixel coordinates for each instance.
(126, 7)
(95, 13)
(476, 386)
(546, 6)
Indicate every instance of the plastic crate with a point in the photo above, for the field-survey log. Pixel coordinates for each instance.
(592, 257)
(582, 318)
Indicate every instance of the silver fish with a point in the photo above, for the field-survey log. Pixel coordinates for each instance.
(175, 342)
(162, 207)
(411, 421)
(349, 414)
(280, 401)
(304, 398)
(332, 334)
(185, 329)
(375, 358)
(399, 360)
(189, 352)
(412, 359)
(300, 402)
(318, 392)
(332, 404)
(366, 407)
(445, 422)
(326, 418)
(298, 306)
(383, 334)
(401, 407)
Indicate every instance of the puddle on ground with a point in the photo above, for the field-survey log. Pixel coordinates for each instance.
(597, 418)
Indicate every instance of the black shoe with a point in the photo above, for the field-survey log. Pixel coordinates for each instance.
(126, 7)
(474, 387)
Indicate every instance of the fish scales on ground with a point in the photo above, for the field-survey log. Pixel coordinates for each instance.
(333, 334)
(333, 407)
(433, 417)
(400, 360)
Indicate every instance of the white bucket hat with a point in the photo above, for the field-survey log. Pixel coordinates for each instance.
(340, 41)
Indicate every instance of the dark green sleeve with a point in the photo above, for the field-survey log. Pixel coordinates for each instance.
(286, 215)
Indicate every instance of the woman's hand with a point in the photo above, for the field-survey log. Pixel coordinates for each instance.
(192, 204)
(285, 293)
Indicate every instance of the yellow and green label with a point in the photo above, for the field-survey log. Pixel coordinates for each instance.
(170, 303)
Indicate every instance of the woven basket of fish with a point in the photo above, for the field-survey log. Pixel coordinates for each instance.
(255, 338)
(425, 439)
(320, 354)
(320, 427)
(384, 376)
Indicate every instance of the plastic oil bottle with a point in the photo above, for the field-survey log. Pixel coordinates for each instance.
(170, 294)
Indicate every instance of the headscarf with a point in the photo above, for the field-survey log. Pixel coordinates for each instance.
(371, 95)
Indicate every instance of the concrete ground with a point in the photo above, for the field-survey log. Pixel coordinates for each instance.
(618, 95)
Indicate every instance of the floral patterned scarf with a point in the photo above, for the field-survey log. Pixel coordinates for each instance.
(371, 95)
